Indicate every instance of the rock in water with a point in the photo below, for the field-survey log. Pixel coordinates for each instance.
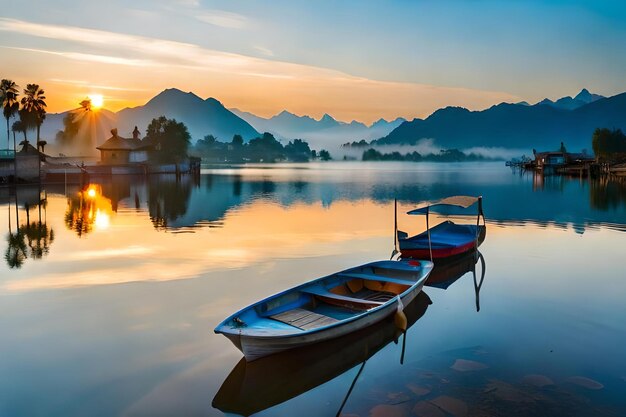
(451, 405)
(463, 365)
(507, 392)
(537, 380)
(417, 390)
(383, 410)
(585, 382)
(426, 409)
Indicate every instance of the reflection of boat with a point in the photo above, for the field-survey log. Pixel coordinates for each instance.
(255, 386)
(445, 274)
(447, 239)
(325, 308)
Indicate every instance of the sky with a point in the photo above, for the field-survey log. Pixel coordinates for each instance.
(351, 59)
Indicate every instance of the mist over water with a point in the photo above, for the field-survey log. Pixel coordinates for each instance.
(427, 147)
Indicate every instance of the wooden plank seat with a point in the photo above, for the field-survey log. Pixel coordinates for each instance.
(342, 300)
(304, 319)
(371, 295)
(374, 277)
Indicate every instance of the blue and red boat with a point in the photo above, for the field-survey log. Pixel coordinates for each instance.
(446, 240)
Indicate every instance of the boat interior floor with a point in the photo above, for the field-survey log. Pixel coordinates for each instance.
(304, 319)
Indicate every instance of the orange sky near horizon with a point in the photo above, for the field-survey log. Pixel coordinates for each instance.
(128, 70)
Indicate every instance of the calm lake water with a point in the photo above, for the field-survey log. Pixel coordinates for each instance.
(107, 307)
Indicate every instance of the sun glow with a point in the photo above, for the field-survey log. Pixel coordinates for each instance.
(96, 100)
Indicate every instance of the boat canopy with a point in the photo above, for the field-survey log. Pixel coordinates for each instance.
(462, 201)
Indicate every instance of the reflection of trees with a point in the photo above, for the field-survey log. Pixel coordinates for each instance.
(32, 239)
(167, 200)
(86, 209)
(77, 214)
(607, 193)
(15, 255)
(39, 237)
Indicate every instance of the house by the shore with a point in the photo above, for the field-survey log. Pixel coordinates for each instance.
(122, 151)
(562, 162)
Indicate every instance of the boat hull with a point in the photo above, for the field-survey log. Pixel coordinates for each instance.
(254, 347)
(417, 247)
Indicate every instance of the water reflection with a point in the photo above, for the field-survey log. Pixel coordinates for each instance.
(608, 193)
(33, 238)
(145, 346)
(189, 202)
(168, 199)
(266, 382)
(88, 209)
(446, 274)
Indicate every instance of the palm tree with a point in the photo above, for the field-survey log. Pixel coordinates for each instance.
(34, 106)
(8, 101)
(25, 123)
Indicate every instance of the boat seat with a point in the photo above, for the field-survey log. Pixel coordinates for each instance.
(304, 319)
(350, 302)
(374, 277)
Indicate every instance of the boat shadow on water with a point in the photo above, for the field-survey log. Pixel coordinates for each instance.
(445, 274)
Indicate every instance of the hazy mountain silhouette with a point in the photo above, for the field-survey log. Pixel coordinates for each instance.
(202, 117)
(508, 125)
(322, 132)
(569, 103)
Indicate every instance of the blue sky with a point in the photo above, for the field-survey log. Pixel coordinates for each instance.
(353, 59)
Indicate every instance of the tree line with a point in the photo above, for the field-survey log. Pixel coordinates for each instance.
(264, 148)
(29, 109)
(445, 155)
(609, 145)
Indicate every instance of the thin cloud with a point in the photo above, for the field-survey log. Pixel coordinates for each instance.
(78, 56)
(221, 18)
(264, 51)
(306, 86)
(96, 86)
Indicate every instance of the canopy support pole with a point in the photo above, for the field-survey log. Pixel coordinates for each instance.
(430, 246)
(395, 223)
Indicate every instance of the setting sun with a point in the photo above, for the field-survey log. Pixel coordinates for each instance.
(96, 100)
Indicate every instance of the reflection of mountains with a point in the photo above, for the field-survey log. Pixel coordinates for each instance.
(560, 200)
(261, 384)
(515, 199)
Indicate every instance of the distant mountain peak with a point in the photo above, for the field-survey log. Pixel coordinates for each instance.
(327, 117)
(214, 101)
(587, 97)
(545, 101)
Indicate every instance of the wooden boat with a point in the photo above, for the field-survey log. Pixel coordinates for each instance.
(447, 240)
(252, 387)
(325, 308)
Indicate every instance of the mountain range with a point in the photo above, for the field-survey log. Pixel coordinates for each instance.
(543, 125)
(514, 126)
(208, 116)
(324, 131)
